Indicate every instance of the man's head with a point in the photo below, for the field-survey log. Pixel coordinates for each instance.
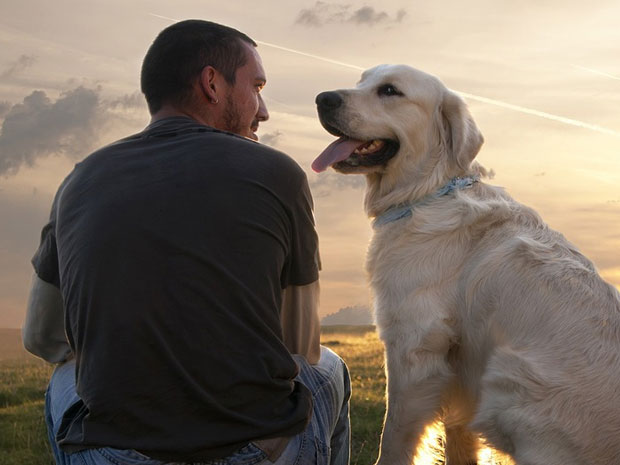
(208, 71)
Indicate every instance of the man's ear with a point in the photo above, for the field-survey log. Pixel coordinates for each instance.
(461, 136)
(209, 83)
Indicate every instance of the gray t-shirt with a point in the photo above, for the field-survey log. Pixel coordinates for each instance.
(171, 249)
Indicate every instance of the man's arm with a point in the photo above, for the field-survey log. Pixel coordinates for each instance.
(300, 321)
(44, 331)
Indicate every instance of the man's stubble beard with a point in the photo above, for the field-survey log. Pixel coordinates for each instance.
(232, 120)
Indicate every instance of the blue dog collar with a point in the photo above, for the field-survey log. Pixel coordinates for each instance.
(399, 212)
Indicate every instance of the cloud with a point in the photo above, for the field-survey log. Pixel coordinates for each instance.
(23, 62)
(325, 13)
(271, 138)
(326, 183)
(39, 127)
(4, 108)
(309, 17)
(368, 15)
(129, 101)
(70, 126)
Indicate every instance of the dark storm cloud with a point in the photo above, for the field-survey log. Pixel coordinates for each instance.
(23, 62)
(69, 126)
(324, 13)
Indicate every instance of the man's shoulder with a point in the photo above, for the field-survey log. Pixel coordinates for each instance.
(210, 138)
(275, 156)
(255, 152)
(190, 140)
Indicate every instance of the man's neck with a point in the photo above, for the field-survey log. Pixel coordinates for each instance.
(166, 111)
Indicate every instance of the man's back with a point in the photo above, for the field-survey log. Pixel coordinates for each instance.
(173, 248)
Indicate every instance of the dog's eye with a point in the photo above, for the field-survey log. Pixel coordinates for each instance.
(388, 90)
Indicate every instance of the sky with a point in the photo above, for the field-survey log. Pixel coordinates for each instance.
(541, 78)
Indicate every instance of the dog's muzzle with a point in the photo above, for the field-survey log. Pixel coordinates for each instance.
(327, 101)
(350, 153)
(329, 106)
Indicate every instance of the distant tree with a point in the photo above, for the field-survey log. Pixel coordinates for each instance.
(356, 315)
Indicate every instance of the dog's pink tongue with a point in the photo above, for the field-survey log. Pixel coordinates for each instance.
(336, 151)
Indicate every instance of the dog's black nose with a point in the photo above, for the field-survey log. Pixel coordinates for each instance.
(328, 100)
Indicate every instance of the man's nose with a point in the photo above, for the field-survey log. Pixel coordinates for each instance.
(328, 100)
(262, 114)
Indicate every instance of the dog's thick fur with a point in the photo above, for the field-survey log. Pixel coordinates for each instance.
(491, 321)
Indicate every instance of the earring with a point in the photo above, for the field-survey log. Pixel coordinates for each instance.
(214, 100)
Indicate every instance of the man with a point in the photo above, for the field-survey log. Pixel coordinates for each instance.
(185, 261)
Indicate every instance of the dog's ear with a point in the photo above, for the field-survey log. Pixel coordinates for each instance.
(459, 132)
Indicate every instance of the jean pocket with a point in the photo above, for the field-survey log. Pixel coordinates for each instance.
(126, 457)
(247, 455)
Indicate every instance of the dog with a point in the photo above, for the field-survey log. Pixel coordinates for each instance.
(491, 321)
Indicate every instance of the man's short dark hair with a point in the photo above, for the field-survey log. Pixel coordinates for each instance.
(178, 55)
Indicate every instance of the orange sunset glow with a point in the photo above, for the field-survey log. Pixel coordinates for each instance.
(542, 81)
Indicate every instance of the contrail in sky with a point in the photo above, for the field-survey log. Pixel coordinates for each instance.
(165, 17)
(290, 50)
(498, 103)
(595, 71)
(542, 114)
(328, 60)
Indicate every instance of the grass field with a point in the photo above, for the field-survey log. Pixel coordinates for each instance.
(23, 379)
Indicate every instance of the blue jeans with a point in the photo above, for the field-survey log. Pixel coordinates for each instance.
(325, 441)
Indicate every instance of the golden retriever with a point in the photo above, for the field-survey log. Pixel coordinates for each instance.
(491, 321)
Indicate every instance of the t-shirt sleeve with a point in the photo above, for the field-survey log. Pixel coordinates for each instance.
(45, 260)
(303, 262)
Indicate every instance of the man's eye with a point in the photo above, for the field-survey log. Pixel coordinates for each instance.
(388, 90)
